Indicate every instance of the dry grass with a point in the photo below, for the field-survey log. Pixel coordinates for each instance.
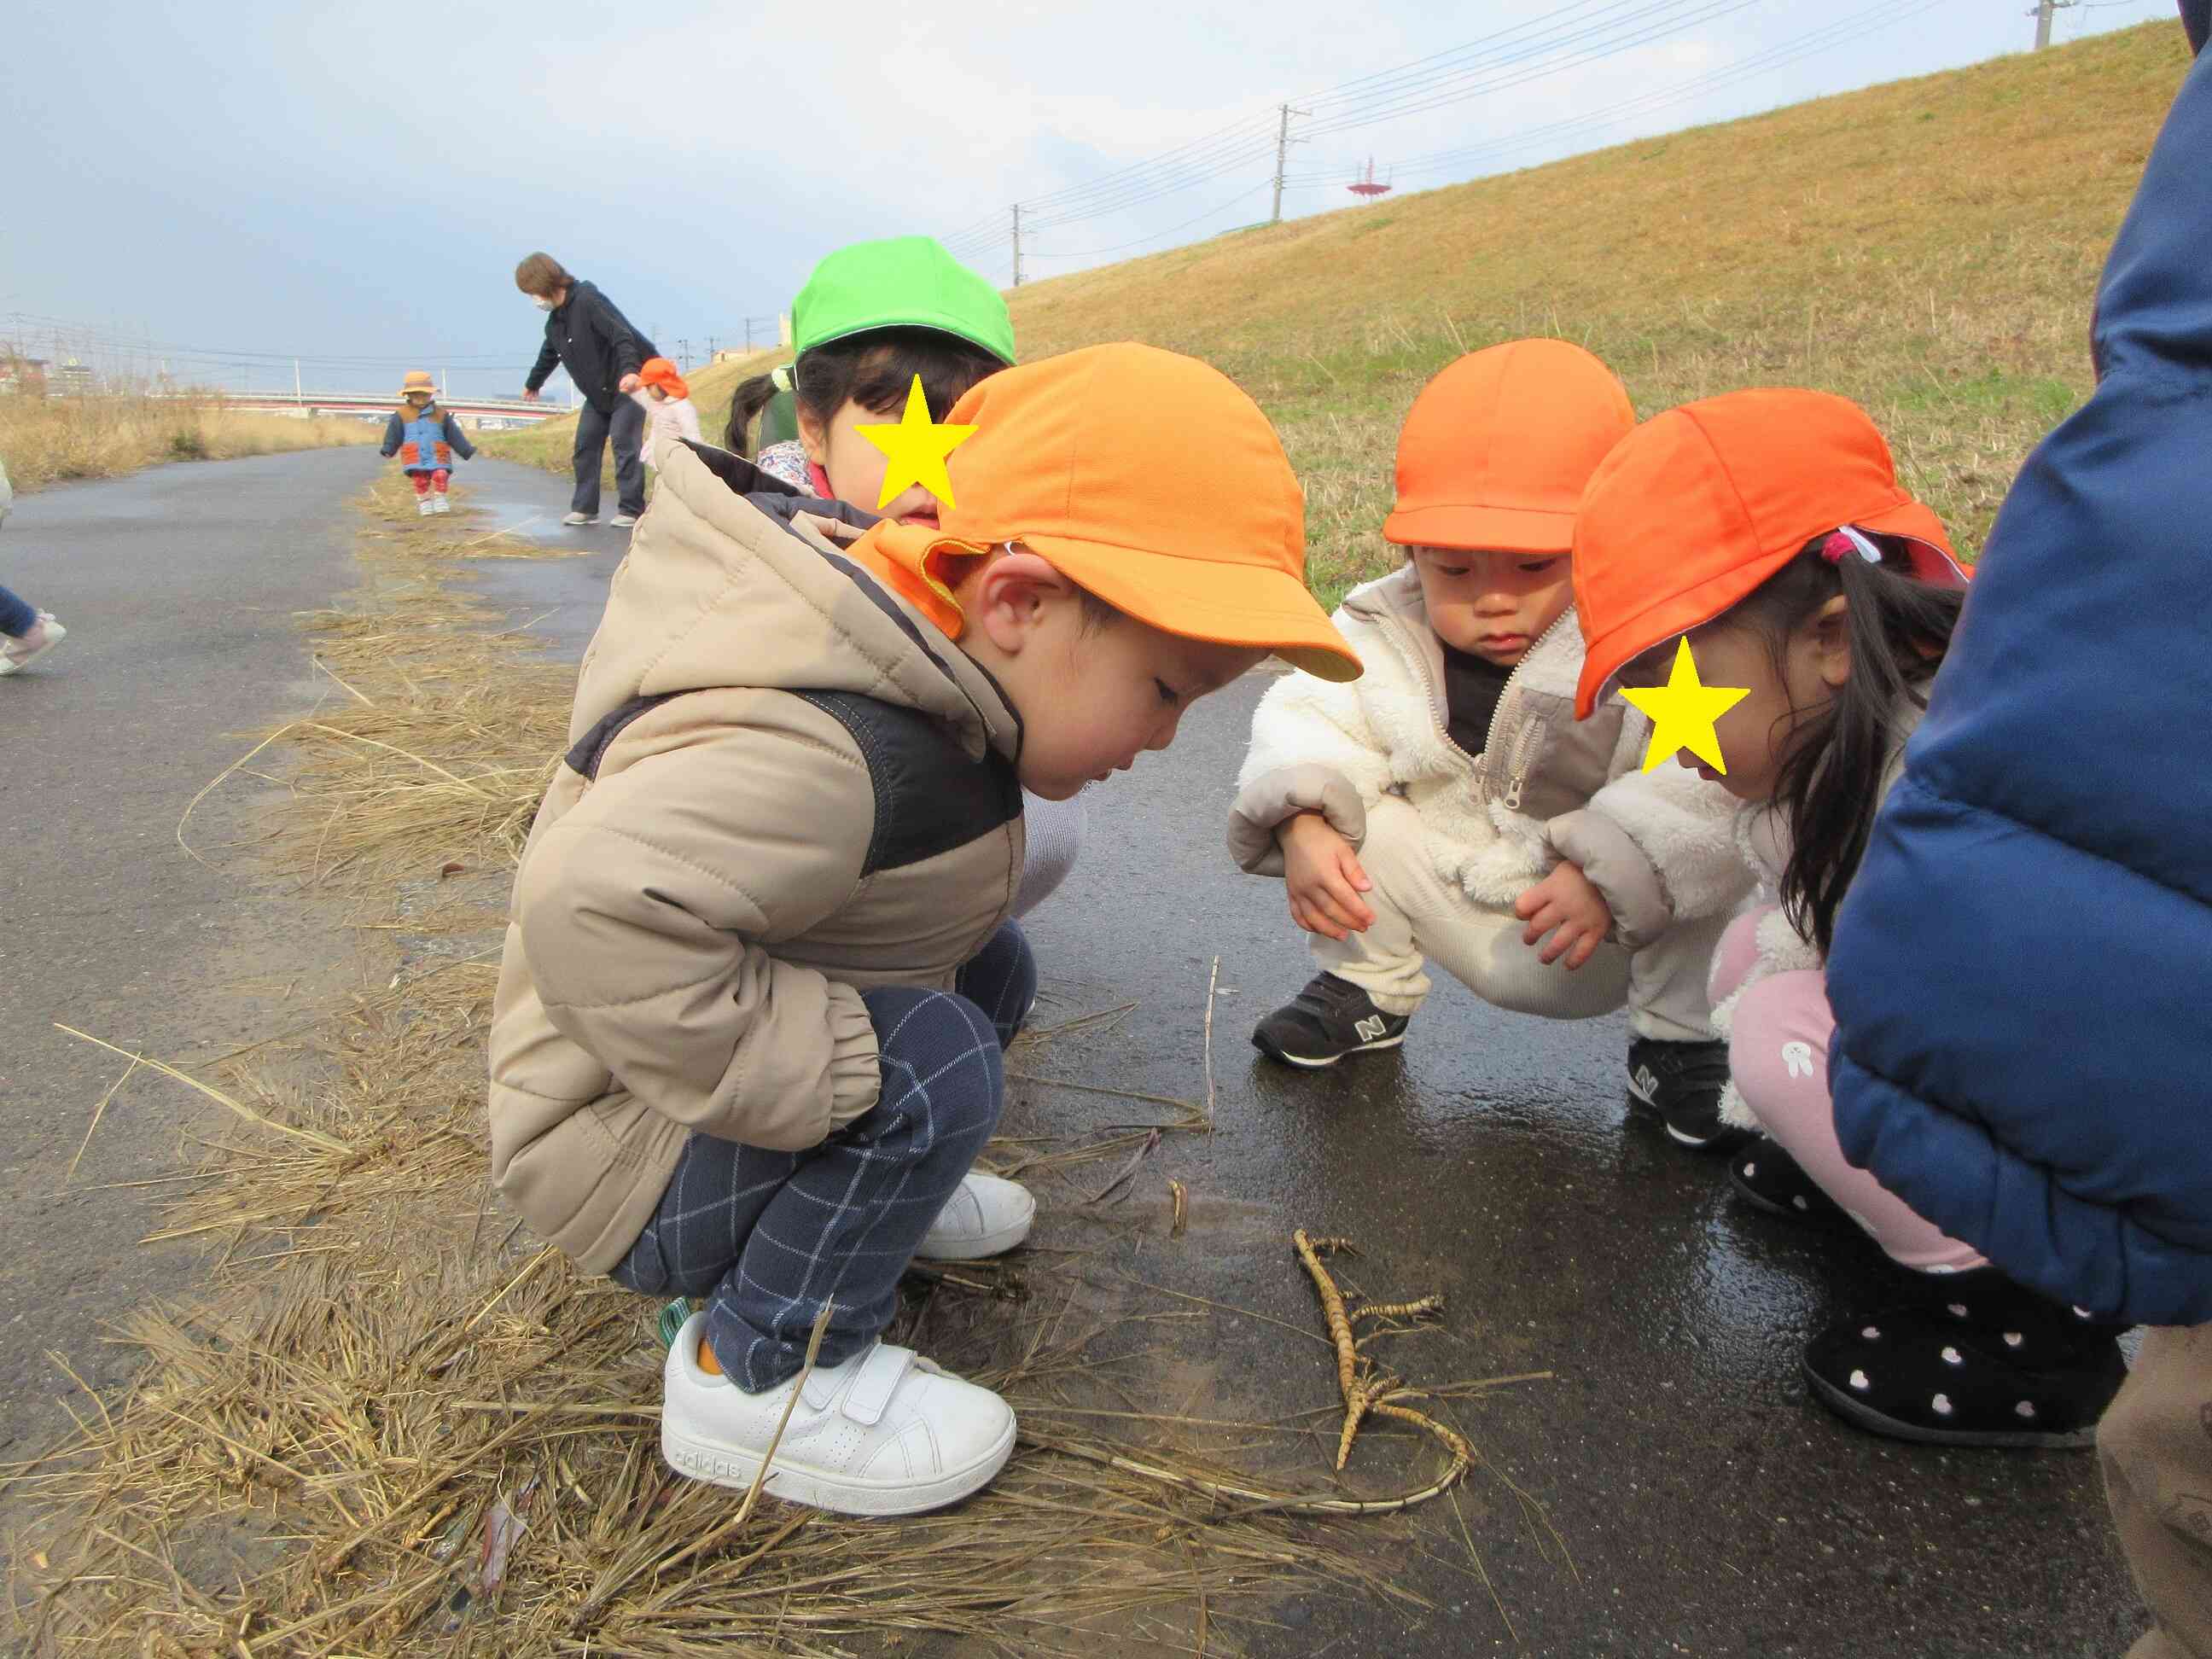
(49, 438)
(385, 1375)
(1929, 248)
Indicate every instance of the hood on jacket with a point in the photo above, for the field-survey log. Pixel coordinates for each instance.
(2197, 18)
(754, 590)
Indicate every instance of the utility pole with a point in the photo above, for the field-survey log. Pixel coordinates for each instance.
(1283, 142)
(2044, 11)
(684, 356)
(1017, 245)
(749, 334)
(298, 396)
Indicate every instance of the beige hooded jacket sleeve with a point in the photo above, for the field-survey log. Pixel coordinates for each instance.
(644, 911)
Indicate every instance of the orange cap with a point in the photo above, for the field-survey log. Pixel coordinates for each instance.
(1144, 476)
(1495, 450)
(658, 370)
(1700, 505)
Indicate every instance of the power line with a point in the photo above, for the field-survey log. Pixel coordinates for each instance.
(1583, 31)
(1859, 25)
(1212, 212)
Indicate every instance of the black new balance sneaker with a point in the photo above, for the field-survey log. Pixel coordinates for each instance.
(1330, 1018)
(1682, 1082)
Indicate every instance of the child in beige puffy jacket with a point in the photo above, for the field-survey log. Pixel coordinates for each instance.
(1448, 807)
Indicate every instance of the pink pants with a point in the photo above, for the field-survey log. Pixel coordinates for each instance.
(426, 481)
(1778, 1057)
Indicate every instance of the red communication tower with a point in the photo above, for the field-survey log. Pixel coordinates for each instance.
(1367, 186)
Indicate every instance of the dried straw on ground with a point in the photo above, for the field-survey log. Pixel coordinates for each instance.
(388, 1390)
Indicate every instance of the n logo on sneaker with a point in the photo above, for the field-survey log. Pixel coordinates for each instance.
(1371, 1028)
(1647, 1080)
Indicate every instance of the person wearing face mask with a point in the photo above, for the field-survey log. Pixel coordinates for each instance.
(602, 352)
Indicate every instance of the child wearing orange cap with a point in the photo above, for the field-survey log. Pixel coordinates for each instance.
(1767, 529)
(760, 973)
(1448, 808)
(669, 416)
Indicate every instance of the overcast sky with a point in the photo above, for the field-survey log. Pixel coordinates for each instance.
(353, 184)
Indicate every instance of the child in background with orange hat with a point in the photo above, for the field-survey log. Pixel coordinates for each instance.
(426, 439)
(669, 416)
(760, 972)
(1767, 529)
(1448, 807)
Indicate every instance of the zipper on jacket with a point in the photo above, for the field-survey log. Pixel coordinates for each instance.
(1517, 766)
(1524, 741)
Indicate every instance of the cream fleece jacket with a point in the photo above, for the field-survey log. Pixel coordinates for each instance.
(1546, 788)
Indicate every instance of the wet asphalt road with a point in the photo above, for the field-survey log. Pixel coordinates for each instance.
(1708, 1506)
(178, 586)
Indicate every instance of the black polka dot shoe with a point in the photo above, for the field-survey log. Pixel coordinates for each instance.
(1768, 1179)
(1990, 1364)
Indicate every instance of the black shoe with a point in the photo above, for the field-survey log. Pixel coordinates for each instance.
(1682, 1082)
(1990, 1364)
(1330, 1018)
(1767, 1178)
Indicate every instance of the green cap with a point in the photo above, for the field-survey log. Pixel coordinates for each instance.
(903, 282)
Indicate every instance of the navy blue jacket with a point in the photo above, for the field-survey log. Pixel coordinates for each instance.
(2022, 971)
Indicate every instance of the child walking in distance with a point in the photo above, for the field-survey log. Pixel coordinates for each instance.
(24, 631)
(1448, 808)
(1768, 528)
(426, 439)
(872, 318)
(760, 976)
(2019, 975)
(669, 416)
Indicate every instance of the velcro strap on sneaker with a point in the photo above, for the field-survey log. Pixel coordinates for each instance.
(880, 1374)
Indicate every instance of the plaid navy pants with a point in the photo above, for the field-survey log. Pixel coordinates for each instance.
(767, 1238)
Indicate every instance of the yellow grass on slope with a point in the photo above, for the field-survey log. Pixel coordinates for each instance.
(1930, 247)
(44, 439)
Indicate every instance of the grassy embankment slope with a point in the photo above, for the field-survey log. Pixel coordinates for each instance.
(1930, 247)
(47, 439)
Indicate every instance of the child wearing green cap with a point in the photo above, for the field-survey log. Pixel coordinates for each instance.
(870, 317)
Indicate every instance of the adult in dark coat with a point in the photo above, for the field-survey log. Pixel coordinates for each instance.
(603, 351)
(2022, 971)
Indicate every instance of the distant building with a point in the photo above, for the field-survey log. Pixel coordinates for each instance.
(27, 375)
(72, 379)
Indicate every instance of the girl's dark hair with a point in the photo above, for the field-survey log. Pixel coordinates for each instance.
(1830, 781)
(873, 370)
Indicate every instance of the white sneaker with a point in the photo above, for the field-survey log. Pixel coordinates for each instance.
(884, 1433)
(439, 504)
(987, 1217)
(16, 652)
(423, 509)
(580, 518)
(623, 521)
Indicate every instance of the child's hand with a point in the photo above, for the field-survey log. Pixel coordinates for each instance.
(1324, 878)
(1568, 907)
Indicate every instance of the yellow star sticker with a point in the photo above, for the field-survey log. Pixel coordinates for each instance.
(1683, 712)
(917, 448)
